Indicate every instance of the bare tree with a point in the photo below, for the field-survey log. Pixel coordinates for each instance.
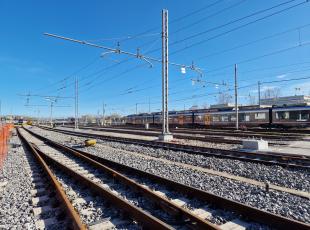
(271, 93)
(224, 98)
(251, 99)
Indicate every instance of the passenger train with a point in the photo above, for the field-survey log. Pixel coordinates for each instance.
(248, 116)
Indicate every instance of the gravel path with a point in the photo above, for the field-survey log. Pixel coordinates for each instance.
(15, 196)
(277, 202)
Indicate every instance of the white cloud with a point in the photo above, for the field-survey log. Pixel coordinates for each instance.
(281, 76)
(18, 64)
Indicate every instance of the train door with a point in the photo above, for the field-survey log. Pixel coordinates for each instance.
(270, 116)
(181, 120)
(207, 119)
(193, 119)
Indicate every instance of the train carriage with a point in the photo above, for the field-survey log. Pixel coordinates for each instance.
(293, 116)
(279, 117)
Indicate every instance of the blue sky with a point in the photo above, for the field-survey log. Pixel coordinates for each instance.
(270, 49)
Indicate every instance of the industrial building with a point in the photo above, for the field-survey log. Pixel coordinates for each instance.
(302, 100)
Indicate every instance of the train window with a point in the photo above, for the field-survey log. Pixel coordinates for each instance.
(282, 115)
(215, 118)
(233, 118)
(299, 115)
(305, 115)
(259, 116)
(198, 118)
(244, 117)
(224, 118)
(295, 115)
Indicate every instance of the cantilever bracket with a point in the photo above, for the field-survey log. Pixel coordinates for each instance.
(150, 63)
(140, 56)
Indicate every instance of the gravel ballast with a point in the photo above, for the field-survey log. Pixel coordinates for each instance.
(287, 177)
(15, 196)
(277, 202)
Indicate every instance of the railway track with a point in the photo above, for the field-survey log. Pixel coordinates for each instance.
(275, 132)
(178, 136)
(188, 135)
(216, 133)
(244, 134)
(169, 197)
(271, 158)
(51, 205)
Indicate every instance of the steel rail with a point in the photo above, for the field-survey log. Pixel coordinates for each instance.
(248, 131)
(296, 131)
(229, 133)
(247, 211)
(181, 213)
(205, 138)
(76, 221)
(269, 158)
(146, 220)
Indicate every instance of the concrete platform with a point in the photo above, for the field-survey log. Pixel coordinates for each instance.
(132, 136)
(301, 147)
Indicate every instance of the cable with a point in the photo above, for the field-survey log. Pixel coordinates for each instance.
(232, 22)
(70, 75)
(177, 19)
(277, 34)
(126, 71)
(115, 76)
(261, 69)
(285, 80)
(229, 90)
(208, 17)
(172, 21)
(253, 42)
(231, 30)
(246, 86)
(262, 56)
(120, 39)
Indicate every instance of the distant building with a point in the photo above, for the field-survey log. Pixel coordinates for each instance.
(284, 101)
(194, 107)
(220, 106)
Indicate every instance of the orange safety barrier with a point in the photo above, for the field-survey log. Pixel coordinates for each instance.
(5, 131)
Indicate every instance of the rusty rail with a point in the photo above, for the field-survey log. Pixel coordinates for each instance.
(252, 213)
(205, 136)
(211, 132)
(269, 158)
(76, 221)
(146, 220)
